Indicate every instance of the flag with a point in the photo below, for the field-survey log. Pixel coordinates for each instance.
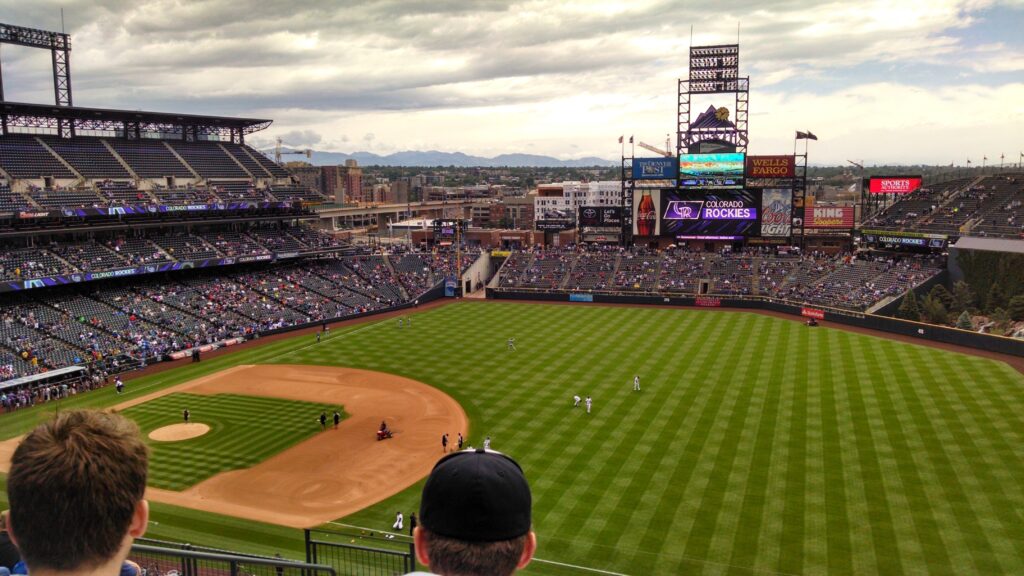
(811, 136)
(630, 139)
(801, 135)
(620, 139)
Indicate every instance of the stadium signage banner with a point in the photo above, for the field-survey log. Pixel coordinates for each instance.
(771, 167)
(598, 216)
(143, 209)
(581, 297)
(776, 212)
(894, 184)
(655, 168)
(813, 313)
(712, 214)
(708, 302)
(830, 217)
(555, 224)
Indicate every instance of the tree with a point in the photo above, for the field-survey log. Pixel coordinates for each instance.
(943, 295)
(963, 295)
(964, 321)
(996, 298)
(1002, 319)
(909, 309)
(1016, 308)
(932, 310)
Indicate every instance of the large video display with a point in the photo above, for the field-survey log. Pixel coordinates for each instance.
(712, 170)
(710, 214)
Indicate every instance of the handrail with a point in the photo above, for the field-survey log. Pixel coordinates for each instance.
(248, 560)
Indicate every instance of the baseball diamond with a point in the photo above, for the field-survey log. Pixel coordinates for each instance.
(757, 445)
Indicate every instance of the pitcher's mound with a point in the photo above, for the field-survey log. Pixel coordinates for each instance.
(176, 432)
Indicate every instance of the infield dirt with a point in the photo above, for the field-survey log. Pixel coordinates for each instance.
(334, 473)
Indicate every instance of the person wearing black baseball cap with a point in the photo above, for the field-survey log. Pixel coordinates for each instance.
(475, 516)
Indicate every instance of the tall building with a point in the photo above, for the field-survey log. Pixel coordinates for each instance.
(332, 181)
(353, 181)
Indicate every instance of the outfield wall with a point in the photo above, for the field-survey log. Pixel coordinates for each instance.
(920, 330)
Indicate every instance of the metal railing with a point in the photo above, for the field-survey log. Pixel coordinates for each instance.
(373, 556)
(161, 561)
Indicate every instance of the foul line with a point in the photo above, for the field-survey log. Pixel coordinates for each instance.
(342, 335)
(541, 560)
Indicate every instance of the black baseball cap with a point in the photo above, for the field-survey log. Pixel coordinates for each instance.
(478, 496)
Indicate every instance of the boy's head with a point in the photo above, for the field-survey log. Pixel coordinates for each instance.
(76, 489)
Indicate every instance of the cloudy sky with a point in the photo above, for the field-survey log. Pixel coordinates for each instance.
(933, 81)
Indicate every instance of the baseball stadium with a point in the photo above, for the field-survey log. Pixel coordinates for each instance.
(770, 387)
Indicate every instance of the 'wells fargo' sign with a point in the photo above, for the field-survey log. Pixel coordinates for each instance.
(771, 167)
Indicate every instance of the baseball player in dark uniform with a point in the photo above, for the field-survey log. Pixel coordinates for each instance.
(185, 414)
(337, 419)
(323, 420)
(444, 442)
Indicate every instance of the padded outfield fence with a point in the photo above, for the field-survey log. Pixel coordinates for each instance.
(181, 560)
(944, 334)
(361, 552)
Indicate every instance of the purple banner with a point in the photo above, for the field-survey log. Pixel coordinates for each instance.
(710, 210)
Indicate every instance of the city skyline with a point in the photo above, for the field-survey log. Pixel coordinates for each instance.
(886, 83)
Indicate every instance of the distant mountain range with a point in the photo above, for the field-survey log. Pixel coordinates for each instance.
(436, 158)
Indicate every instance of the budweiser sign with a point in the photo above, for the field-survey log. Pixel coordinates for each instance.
(771, 167)
(894, 184)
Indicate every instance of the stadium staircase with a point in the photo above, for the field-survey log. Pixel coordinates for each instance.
(81, 179)
(568, 272)
(391, 269)
(238, 162)
(119, 159)
(182, 160)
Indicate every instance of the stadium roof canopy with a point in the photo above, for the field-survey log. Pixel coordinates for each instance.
(69, 120)
(990, 244)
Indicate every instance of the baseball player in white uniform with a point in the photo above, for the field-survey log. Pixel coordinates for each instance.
(589, 402)
(399, 523)
(575, 400)
(487, 443)
(636, 383)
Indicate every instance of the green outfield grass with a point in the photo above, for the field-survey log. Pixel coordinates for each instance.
(244, 431)
(757, 446)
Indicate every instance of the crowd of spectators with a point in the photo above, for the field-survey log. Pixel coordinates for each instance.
(128, 325)
(842, 281)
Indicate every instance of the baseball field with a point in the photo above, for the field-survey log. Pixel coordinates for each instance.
(756, 445)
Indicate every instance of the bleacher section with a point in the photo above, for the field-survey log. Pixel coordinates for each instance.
(11, 201)
(88, 156)
(253, 166)
(149, 158)
(22, 156)
(275, 170)
(208, 159)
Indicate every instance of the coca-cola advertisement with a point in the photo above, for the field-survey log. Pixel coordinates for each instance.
(646, 205)
(776, 212)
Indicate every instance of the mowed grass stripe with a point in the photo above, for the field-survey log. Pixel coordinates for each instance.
(244, 431)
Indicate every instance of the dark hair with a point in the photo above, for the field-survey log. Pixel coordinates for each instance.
(453, 557)
(74, 485)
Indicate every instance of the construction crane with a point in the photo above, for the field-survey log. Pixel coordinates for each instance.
(278, 153)
(655, 149)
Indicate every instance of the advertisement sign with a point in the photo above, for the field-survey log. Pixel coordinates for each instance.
(555, 224)
(771, 167)
(645, 213)
(894, 184)
(776, 212)
(829, 217)
(598, 216)
(708, 302)
(719, 214)
(723, 170)
(813, 313)
(654, 168)
(142, 209)
(581, 297)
